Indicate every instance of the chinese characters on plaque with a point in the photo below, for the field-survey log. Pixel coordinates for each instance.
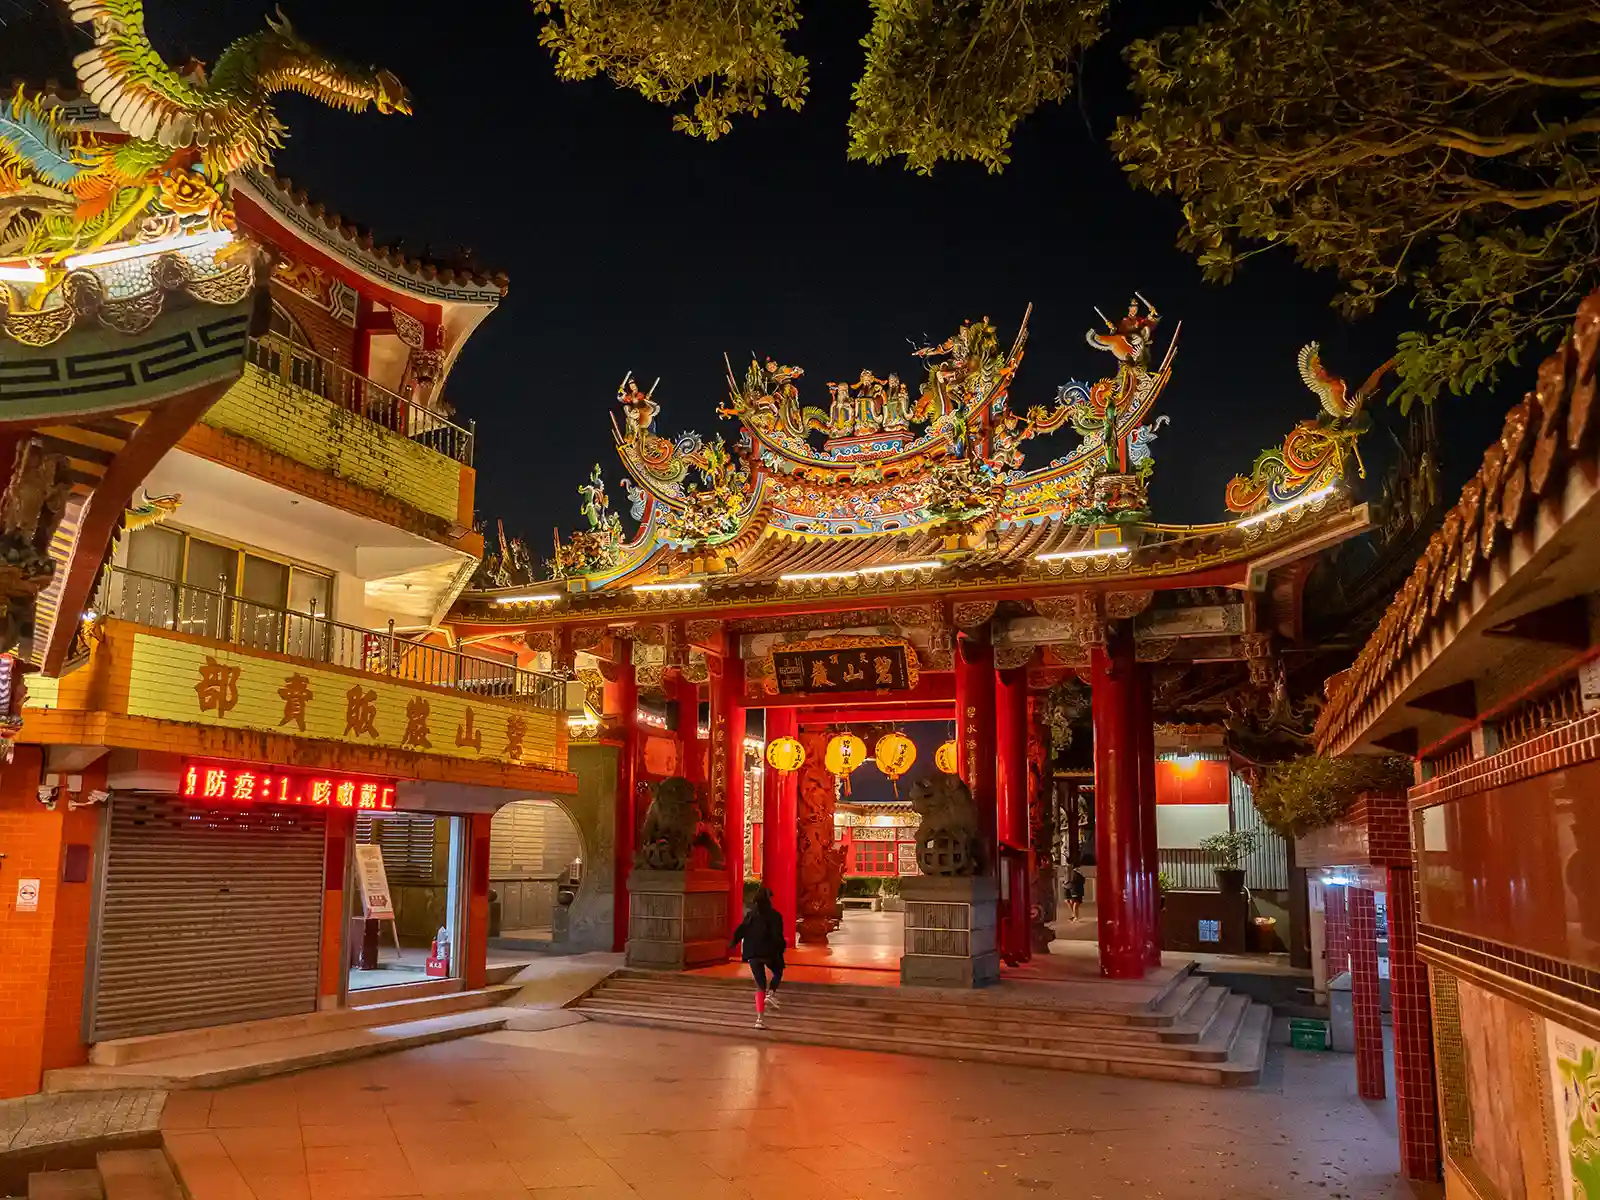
(853, 669)
(407, 723)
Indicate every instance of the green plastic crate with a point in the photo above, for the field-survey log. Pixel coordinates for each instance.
(1308, 1034)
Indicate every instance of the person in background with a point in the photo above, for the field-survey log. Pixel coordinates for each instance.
(1074, 891)
(761, 933)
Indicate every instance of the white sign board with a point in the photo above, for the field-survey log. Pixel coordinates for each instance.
(374, 883)
(1589, 681)
(27, 895)
(907, 863)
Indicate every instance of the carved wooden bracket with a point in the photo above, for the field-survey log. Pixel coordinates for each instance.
(1008, 658)
(970, 614)
(1120, 606)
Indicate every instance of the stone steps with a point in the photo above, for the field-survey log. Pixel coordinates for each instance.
(151, 1047)
(1197, 1034)
(1031, 1028)
(117, 1175)
(257, 1049)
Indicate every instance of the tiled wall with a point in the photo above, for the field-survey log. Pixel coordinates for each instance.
(308, 429)
(1364, 993)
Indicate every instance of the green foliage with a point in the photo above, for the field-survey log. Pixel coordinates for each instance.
(942, 80)
(724, 60)
(952, 80)
(890, 886)
(1163, 882)
(1448, 149)
(1303, 794)
(1229, 849)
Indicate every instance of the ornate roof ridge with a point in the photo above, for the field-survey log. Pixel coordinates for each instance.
(1545, 433)
(347, 238)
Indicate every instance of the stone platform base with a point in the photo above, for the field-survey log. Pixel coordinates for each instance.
(950, 931)
(677, 920)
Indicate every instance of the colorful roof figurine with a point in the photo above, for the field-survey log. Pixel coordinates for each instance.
(907, 483)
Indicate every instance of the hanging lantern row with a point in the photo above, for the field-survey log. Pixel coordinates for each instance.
(786, 754)
(946, 757)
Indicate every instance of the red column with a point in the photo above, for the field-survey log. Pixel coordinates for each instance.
(475, 955)
(1011, 805)
(622, 705)
(976, 714)
(1364, 998)
(727, 773)
(1116, 791)
(779, 795)
(1149, 858)
(686, 699)
(1416, 1101)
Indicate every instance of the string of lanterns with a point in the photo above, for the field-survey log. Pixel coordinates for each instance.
(894, 753)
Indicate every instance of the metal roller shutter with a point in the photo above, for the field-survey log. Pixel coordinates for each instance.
(209, 916)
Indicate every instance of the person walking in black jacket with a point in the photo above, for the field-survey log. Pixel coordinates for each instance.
(761, 932)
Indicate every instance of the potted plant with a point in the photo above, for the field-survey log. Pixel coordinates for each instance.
(1228, 851)
(889, 892)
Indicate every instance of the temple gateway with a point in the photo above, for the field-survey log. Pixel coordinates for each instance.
(893, 560)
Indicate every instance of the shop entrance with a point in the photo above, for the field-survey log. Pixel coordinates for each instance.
(406, 904)
(206, 916)
(535, 866)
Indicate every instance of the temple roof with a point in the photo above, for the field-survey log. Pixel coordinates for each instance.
(885, 496)
(1510, 549)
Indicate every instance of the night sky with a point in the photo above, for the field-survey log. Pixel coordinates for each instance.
(630, 247)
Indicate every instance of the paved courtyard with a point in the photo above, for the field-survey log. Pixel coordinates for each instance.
(596, 1112)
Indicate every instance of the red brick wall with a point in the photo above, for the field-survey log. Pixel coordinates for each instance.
(328, 337)
(43, 953)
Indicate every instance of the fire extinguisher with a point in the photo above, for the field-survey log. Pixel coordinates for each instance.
(441, 946)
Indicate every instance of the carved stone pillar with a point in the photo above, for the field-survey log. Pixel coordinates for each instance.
(821, 863)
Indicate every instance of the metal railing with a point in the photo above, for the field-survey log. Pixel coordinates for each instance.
(215, 613)
(356, 393)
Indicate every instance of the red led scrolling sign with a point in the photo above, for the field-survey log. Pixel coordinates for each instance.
(231, 783)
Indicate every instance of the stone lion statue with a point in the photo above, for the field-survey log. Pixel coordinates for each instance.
(672, 829)
(948, 841)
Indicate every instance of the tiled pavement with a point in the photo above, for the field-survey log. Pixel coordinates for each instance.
(596, 1112)
(43, 1120)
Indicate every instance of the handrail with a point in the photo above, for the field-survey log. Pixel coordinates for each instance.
(159, 603)
(338, 384)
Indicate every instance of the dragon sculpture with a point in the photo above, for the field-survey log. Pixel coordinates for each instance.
(1315, 454)
(67, 190)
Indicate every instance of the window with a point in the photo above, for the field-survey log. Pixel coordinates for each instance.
(227, 593)
(874, 858)
(288, 354)
(408, 843)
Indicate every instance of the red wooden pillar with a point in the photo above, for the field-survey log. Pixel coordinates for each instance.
(1416, 1099)
(1011, 804)
(475, 954)
(1364, 995)
(1116, 792)
(780, 791)
(622, 705)
(685, 698)
(727, 773)
(976, 714)
(1149, 857)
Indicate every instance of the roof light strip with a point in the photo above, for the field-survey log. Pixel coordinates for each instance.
(529, 598)
(23, 274)
(1268, 513)
(682, 586)
(1097, 552)
(859, 572)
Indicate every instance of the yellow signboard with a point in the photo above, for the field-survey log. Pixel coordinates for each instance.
(175, 680)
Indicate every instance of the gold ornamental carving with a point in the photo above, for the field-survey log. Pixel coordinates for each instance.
(651, 675)
(970, 614)
(1010, 657)
(696, 670)
(1123, 605)
(698, 632)
(1061, 608)
(587, 637)
(1155, 649)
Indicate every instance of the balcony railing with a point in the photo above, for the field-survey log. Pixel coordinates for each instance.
(356, 393)
(162, 604)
